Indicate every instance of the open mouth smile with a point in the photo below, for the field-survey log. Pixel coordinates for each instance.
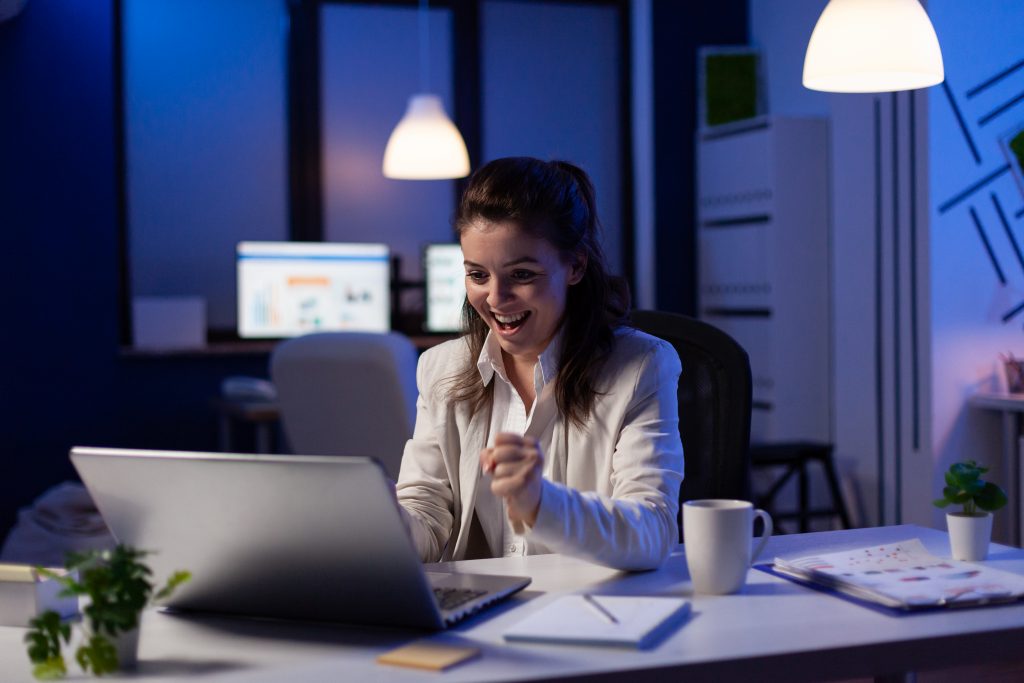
(510, 323)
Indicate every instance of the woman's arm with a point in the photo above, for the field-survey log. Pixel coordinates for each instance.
(424, 490)
(635, 528)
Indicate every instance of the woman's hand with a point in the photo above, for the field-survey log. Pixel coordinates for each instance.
(516, 466)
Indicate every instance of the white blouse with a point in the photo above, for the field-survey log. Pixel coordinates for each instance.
(508, 414)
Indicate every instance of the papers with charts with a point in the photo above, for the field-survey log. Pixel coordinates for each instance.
(904, 575)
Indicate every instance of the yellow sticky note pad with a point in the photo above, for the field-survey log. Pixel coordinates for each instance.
(424, 654)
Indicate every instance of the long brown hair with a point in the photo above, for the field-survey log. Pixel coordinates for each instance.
(553, 200)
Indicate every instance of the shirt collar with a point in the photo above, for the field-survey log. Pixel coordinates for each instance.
(490, 361)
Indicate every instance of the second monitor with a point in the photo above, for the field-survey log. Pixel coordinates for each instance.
(445, 277)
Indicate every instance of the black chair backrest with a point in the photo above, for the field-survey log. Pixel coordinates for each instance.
(714, 404)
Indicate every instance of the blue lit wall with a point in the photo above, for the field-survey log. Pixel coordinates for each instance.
(977, 218)
(64, 382)
(205, 140)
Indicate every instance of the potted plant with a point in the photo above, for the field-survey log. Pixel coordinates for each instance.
(116, 588)
(970, 529)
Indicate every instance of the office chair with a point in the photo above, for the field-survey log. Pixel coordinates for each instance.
(347, 393)
(714, 405)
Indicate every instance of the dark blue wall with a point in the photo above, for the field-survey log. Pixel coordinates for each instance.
(65, 381)
(680, 28)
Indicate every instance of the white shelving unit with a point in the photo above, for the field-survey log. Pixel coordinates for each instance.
(764, 265)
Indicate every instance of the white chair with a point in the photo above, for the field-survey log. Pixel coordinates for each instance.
(347, 393)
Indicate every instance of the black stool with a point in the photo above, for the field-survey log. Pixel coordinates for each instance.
(795, 456)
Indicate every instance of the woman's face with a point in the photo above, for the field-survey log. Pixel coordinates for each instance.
(518, 284)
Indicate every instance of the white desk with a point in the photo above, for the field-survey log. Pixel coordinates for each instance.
(1011, 407)
(775, 630)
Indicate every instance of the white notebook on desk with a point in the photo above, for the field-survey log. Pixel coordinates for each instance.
(628, 621)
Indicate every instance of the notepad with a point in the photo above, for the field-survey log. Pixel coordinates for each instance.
(427, 655)
(642, 621)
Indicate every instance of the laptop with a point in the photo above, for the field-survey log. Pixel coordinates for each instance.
(279, 536)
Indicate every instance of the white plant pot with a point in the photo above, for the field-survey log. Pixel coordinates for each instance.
(969, 535)
(127, 646)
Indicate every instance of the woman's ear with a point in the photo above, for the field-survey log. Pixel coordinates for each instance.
(577, 268)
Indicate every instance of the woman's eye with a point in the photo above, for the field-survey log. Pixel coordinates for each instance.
(476, 276)
(523, 275)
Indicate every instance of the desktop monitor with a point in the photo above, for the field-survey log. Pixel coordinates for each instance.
(445, 278)
(290, 288)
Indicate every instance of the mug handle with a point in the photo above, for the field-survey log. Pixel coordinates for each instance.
(767, 519)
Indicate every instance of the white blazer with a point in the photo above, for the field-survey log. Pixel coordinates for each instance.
(613, 495)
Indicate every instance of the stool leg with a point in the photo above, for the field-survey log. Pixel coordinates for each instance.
(838, 504)
(767, 501)
(769, 497)
(805, 498)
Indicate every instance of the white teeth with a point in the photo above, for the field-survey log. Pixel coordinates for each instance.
(509, 319)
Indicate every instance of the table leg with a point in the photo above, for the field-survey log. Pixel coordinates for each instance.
(1011, 473)
(263, 437)
(805, 498)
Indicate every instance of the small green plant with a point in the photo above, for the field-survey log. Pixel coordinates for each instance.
(116, 583)
(964, 486)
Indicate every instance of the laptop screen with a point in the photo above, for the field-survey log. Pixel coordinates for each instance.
(291, 288)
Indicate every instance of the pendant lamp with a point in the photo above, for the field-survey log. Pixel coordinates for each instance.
(425, 144)
(863, 46)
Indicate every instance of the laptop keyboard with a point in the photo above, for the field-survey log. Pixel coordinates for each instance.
(450, 598)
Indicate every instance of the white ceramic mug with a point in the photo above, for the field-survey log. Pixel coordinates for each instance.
(718, 536)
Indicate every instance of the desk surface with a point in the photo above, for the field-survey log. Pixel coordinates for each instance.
(775, 628)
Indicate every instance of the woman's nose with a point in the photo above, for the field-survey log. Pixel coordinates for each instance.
(498, 292)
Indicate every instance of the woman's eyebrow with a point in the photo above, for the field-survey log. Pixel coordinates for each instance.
(521, 259)
(507, 264)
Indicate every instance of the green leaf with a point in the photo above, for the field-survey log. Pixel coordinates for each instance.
(950, 479)
(965, 472)
(974, 487)
(940, 502)
(43, 571)
(991, 497)
(176, 579)
(38, 648)
(955, 495)
(50, 670)
(99, 656)
(44, 645)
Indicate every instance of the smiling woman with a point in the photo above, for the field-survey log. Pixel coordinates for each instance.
(549, 427)
(518, 285)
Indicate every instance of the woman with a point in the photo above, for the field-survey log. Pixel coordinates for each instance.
(549, 427)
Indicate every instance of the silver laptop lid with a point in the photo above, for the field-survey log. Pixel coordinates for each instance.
(310, 537)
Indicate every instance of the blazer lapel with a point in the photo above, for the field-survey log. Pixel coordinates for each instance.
(475, 428)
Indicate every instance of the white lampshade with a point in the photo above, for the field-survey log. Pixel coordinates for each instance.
(425, 144)
(872, 46)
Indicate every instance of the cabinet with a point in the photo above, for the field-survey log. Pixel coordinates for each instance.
(764, 265)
